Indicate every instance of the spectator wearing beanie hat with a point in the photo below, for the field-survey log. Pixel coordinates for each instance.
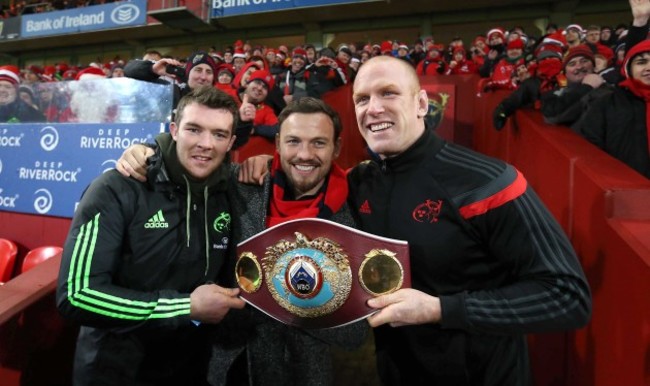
(566, 105)
(225, 76)
(459, 65)
(503, 74)
(255, 116)
(12, 108)
(545, 77)
(433, 63)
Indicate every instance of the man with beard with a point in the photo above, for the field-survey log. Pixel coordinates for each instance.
(304, 182)
(12, 108)
(566, 104)
(489, 263)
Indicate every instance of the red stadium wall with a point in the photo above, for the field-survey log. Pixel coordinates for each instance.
(603, 206)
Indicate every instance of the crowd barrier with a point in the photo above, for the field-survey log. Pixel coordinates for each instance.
(601, 204)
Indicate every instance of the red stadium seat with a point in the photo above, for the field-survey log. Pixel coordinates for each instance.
(8, 252)
(38, 255)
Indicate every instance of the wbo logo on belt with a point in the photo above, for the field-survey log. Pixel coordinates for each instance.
(315, 273)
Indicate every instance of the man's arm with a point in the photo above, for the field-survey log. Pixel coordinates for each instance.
(89, 289)
(546, 289)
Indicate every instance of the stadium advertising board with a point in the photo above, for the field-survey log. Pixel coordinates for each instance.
(225, 8)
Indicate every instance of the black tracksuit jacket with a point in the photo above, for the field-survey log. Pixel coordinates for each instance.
(133, 255)
(481, 240)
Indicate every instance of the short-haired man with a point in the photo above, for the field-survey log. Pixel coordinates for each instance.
(139, 257)
(488, 262)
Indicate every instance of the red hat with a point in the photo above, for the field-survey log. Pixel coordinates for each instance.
(516, 44)
(49, 70)
(270, 51)
(299, 51)
(386, 47)
(555, 38)
(69, 75)
(458, 49)
(90, 73)
(604, 52)
(35, 69)
(263, 76)
(579, 50)
(437, 47)
(238, 44)
(637, 49)
(226, 67)
(498, 31)
(61, 67)
(10, 74)
(239, 53)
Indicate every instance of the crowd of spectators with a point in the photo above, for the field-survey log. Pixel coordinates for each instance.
(561, 73)
(26, 7)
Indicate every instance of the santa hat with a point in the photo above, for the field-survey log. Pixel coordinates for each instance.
(579, 50)
(70, 74)
(300, 52)
(239, 53)
(217, 55)
(8, 74)
(557, 38)
(440, 48)
(403, 46)
(238, 44)
(90, 73)
(200, 57)
(499, 31)
(264, 76)
(577, 27)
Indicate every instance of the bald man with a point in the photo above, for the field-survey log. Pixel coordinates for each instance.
(489, 263)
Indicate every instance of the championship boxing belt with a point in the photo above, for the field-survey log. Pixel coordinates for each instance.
(314, 273)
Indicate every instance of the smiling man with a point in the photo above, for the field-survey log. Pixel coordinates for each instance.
(305, 182)
(488, 261)
(138, 257)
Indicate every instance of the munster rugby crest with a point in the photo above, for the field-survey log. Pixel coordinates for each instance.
(307, 278)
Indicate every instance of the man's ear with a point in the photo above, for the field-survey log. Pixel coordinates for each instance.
(232, 142)
(337, 148)
(423, 103)
(173, 130)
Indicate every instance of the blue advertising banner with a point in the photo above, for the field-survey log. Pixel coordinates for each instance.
(85, 19)
(225, 8)
(44, 168)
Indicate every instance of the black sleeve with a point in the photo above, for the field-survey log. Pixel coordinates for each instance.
(141, 70)
(243, 133)
(562, 106)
